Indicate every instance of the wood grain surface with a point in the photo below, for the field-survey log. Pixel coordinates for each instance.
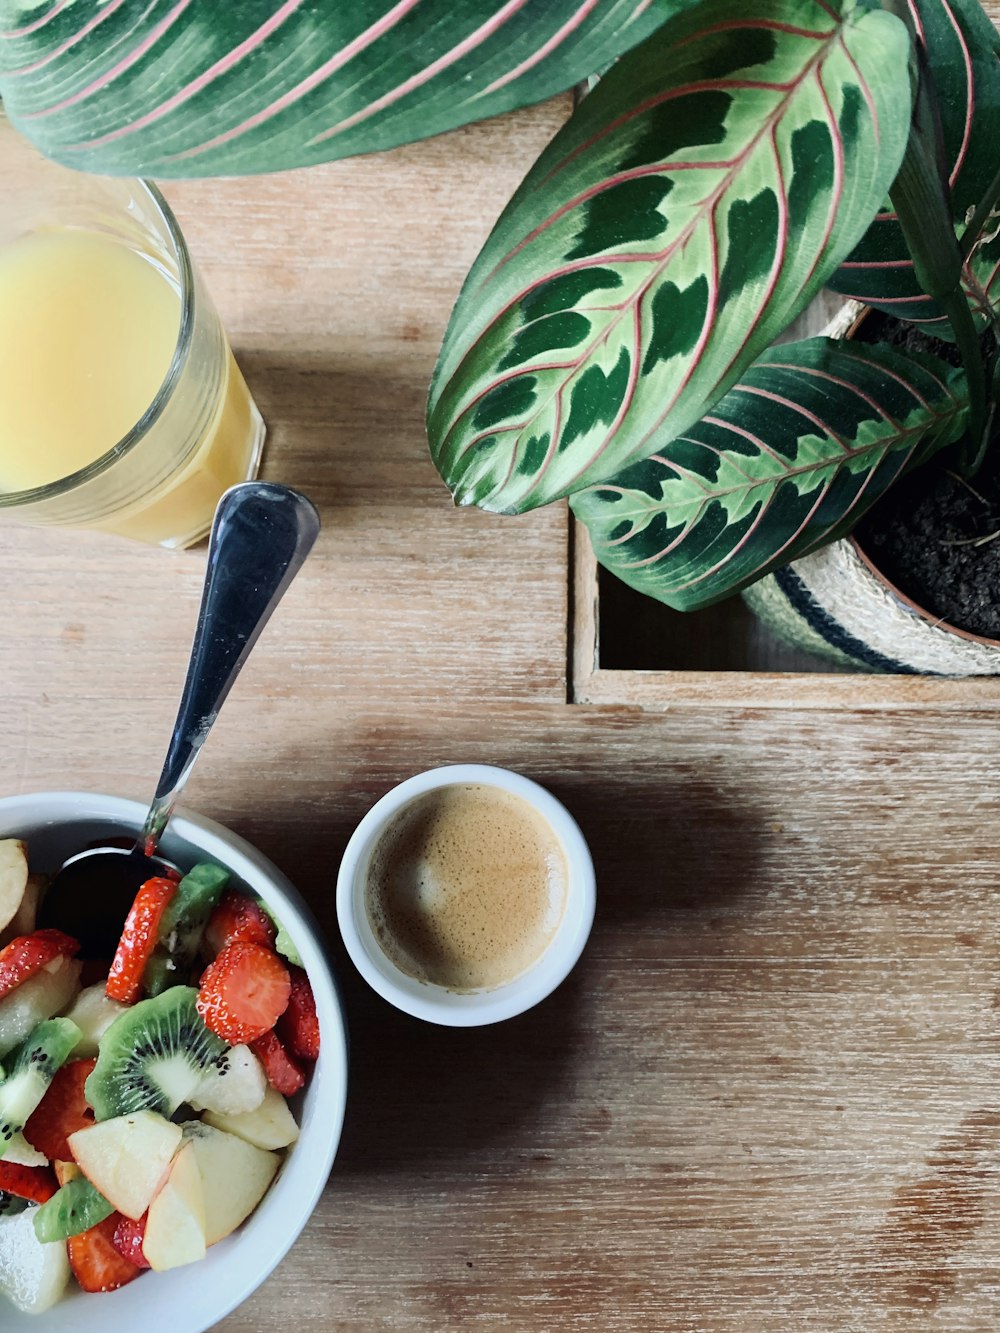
(768, 1097)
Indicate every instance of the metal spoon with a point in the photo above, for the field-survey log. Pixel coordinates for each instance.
(261, 535)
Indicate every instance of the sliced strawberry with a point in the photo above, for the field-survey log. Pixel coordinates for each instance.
(237, 917)
(128, 1240)
(37, 1183)
(95, 1262)
(284, 1073)
(28, 954)
(61, 1112)
(298, 1026)
(244, 992)
(139, 936)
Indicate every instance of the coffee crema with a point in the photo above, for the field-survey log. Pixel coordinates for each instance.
(467, 887)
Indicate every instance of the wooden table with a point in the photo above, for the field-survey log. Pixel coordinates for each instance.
(769, 1097)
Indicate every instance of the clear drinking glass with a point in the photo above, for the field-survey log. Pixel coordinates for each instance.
(159, 478)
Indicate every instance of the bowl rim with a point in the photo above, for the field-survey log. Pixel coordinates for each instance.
(255, 1249)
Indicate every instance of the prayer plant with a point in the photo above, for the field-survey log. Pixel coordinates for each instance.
(612, 342)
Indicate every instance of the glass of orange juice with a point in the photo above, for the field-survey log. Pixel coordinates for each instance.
(121, 405)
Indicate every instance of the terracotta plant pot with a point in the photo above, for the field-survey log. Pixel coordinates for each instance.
(838, 604)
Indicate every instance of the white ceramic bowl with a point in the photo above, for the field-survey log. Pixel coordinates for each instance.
(192, 1299)
(434, 1003)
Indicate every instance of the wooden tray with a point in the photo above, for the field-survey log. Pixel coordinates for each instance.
(627, 649)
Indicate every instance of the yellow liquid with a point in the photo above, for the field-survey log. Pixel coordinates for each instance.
(88, 329)
(180, 511)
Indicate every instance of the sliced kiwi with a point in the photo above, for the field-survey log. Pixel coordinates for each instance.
(76, 1207)
(284, 944)
(30, 1070)
(161, 973)
(191, 906)
(182, 926)
(11, 1204)
(153, 1056)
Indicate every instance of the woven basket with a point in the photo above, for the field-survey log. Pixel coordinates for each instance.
(835, 603)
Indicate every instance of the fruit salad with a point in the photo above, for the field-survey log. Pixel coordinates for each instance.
(143, 1111)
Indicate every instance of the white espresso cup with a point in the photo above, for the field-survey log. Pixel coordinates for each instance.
(434, 1002)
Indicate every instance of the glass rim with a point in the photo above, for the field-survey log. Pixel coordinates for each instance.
(135, 434)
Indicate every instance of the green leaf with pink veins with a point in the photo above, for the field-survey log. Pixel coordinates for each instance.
(788, 460)
(174, 88)
(963, 52)
(693, 205)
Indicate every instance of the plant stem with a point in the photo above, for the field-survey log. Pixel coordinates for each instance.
(921, 198)
(981, 216)
(956, 476)
(915, 205)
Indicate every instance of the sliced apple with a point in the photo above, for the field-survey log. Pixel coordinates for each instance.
(25, 919)
(93, 1013)
(271, 1125)
(32, 1274)
(13, 878)
(46, 993)
(175, 1228)
(235, 1084)
(127, 1158)
(65, 1171)
(234, 1173)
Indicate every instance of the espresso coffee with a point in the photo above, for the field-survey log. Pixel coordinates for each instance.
(466, 888)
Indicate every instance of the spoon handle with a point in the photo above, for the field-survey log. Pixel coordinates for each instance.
(261, 535)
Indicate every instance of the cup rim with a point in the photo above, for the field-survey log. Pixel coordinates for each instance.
(433, 1003)
(182, 347)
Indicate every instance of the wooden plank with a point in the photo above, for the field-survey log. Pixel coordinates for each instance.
(335, 285)
(765, 1100)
